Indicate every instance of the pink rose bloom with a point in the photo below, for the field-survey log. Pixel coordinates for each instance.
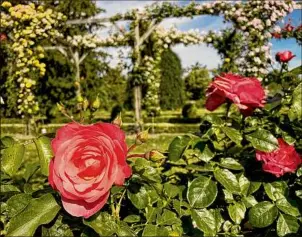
(283, 160)
(88, 160)
(285, 56)
(246, 92)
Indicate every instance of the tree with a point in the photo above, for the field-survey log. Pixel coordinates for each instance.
(196, 82)
(171, 86)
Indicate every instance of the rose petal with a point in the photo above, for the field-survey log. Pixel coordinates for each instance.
(82, 208)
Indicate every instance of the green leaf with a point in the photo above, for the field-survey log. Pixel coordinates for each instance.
(227, 179)
(57, 230)
(38, 212)
(233, 134)
(295, 111)
(208, 221)
(202, 192)
(171, 190)
(287, 208)
(263, 140)
(206, 154)
(30, 169)
(181, 207)
(6, 142)
(140, 198)
(208, 167)
(168, 218)
(263, 214)
(276, 190)
(296, 71)
(213, 119)
(230, 163)
(17, 203)
(299, 172)
(287, 225)
(6, 188)
(45, 153)
(124, 230)
(12, 158)
(132, 218)
(103, 223)
(249, 201)
(244, 184)
(228, 196)
(299, 193)
(151, 213)
(237, 212)
(178, 146)
(153, 230)
(254, 186)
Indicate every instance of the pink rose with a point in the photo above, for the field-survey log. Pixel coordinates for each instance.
(246, 92)
(285, 56)
(88, 160)
(283, 160)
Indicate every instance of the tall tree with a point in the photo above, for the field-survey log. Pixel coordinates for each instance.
(171, 86)
(196, 82)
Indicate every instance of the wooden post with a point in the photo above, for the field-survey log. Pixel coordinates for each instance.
(137, 89)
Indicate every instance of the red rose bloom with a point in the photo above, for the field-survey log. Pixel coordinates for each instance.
(276, 35)
(246, 92)
(283, 160)
(284, 56)
(288, 27)
(88, 160)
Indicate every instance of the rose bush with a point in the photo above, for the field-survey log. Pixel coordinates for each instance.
(280, 161)
(88, 160)
(247, 93)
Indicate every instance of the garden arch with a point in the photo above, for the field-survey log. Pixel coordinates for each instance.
(252, 22)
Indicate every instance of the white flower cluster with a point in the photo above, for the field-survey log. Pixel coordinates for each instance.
(90, 41)
(174, 36)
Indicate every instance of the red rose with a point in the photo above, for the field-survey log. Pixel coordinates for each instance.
(283, 160)
(288, 27)
(246, 92)
(284, 56)
(276, 35)
(88, 160)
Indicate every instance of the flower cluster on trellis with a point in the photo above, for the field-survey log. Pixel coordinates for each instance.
(27, 26)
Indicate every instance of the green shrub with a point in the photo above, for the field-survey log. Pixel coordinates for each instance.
(189, 110)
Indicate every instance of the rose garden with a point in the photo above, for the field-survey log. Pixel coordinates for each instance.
(142, 148)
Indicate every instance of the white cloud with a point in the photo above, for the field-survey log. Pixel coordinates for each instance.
(197, 53)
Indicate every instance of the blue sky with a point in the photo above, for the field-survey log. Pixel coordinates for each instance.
(200, 53)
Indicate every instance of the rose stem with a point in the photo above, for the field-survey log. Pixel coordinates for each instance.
(136, 155)
(118, 207)
(132, 147)
(112, 206)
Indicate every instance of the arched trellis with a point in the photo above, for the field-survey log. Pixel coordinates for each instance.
(252, 19)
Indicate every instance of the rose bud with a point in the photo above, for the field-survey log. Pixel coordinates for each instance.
(285, 56)
(283, 160)
(245, 92)
(154, 155)
(142, 137)
(88, 160)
